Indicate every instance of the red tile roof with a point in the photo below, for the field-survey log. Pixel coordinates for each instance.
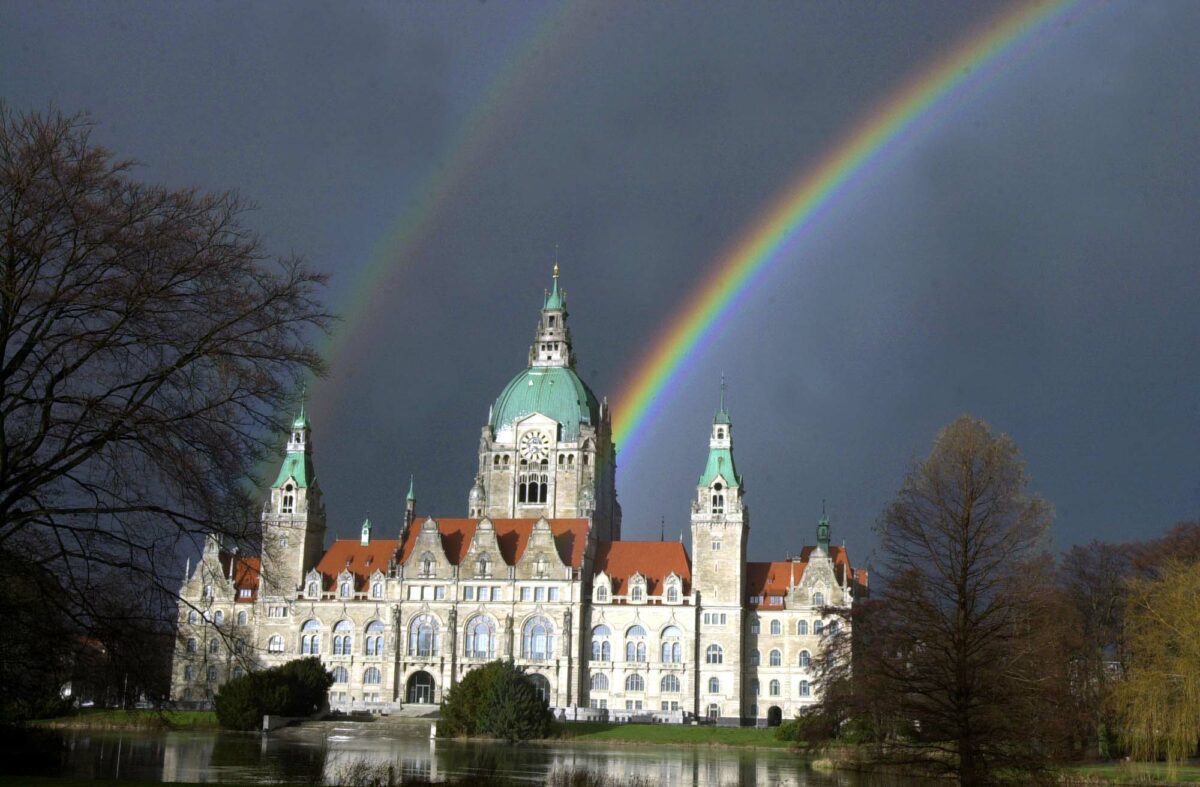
(512, 535)
(245, 574)
(654, 560)
(570, 536)
(774, 578)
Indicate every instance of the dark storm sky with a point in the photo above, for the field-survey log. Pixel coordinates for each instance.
(1032, 258)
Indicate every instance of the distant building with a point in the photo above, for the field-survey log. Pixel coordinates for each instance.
(537, 572)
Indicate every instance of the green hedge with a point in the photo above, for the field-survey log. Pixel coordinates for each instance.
(297, 688)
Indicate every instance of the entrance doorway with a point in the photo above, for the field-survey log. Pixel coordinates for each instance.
(541, 686)
(420, 689)
(774, 716)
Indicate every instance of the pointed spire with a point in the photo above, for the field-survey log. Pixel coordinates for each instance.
(722, 416)
(412, 494)
(555, 299)
(301, 420)
(823, 530)
(662, 529)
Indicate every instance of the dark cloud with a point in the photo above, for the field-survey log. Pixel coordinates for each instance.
(1030, 258)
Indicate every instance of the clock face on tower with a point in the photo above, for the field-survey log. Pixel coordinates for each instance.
(534, 446)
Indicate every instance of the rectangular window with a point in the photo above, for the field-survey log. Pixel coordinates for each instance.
(539, 594)
(414, 593)
(628, 704)
(244, 592)
(526, 594)
(716, 546)
(554, 594)
(439, 593)
(666, 706)
(427, 593)
(776, 599)
(469, 594)
(723, 619)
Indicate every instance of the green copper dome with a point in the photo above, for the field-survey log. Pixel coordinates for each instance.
(554, 391)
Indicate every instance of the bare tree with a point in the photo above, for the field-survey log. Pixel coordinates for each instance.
(959, 628)
(147, 343)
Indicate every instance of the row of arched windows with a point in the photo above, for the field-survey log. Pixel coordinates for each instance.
(636, 647)
(371, 676)
(774, 687)
(533, 487)
(775, 658)
(670, 684)
(218, 618)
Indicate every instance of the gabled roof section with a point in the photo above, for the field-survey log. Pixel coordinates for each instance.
(776, 577)
(654, 560)
(512, 535)
(362, 561)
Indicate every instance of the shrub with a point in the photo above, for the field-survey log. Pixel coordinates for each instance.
(811, 727)
(498, 700)
(297, 688)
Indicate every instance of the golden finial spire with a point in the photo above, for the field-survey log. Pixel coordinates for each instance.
(556, 260)
(556, 270)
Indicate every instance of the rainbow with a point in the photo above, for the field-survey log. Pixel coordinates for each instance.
(497, 104)
(980, 58)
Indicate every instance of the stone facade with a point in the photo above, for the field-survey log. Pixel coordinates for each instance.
(537, 572)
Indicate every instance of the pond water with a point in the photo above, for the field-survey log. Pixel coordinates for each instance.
(320, 754)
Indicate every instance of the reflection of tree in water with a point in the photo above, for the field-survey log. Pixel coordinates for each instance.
(289, 763)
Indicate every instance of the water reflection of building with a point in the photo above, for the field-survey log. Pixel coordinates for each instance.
(537, 572)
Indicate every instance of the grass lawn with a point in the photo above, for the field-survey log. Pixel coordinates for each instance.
(668, 733)
(135, 720)
(1132, 773)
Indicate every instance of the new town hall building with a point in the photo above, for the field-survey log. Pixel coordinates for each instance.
(537, 572)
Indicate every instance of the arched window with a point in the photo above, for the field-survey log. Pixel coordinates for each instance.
(635, 683)
(673, 593)
(219, 618)
(238, 646)
(636, 592)
(776, 658)
(537, 639)
(189, 672)
(635, 644)
(241, 618)
(672, 648)
(754, 658)
(238, 672)
(833, 628)
(754, 690)
(423, 636)
(599, 682)
(345, 590)
(312, 589)
(776, 628)
(818, 627)
(212, 675)
(602, 594)
(193, 617)
(191, 645)
(714, 655)
(372, 676)
(343, 638)
(802, 628)
(377, 590)
(805, 659)
(805, 689)
(341, 675)
(310, 638)
(818, 599)
(773, 687)
(288, 503)
(374, 638)
(714, 685)
(481, 638)
(275, 644)
(601, 646)
(670, 684)
(214, 645)
(718, 499)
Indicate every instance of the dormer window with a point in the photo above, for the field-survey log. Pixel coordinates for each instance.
(637, 590)
(377, 590)
(672, 592)
(602, 594)
(312, 590)
(344, 590)
(288, 502)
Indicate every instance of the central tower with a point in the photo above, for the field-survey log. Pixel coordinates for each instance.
(547, 447)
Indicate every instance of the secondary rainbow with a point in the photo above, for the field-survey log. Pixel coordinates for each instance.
(981, 57)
